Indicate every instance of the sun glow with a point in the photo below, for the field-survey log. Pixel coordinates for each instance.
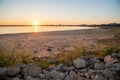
(35, 23)
(36, 26)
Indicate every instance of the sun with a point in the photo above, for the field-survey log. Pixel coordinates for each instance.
(35, 22)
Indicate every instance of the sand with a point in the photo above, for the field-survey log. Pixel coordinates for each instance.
(47, 43)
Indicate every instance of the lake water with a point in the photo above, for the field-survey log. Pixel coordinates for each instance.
(28, 29)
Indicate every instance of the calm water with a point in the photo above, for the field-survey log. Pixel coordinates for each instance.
(28, 29)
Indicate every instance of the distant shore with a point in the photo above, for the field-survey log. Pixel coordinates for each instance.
(86, 25)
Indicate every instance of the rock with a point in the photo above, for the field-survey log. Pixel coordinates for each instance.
(32, 70)
(115, 55)
(30, 78)
(81, 78)
(12, 71)
(91, 72)
(56, 75)
(42, 76)
(97, 77)
(108, 58)
(108, 73)
(12, 79)
(3, 73)
(62, 76)
(80, 63)
(70, 68)
(47, 75)
(73, 75)
(15, 79)
(109, 65)
(59, 67)
(99, 66)
(53, 60)
(93, 60)
(21, 65)
(87, 75)
(51, 67)
(117, 65)
(67, 78)
(19, 76)
(69, 63)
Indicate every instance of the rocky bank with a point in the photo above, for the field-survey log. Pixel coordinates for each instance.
(83, 68)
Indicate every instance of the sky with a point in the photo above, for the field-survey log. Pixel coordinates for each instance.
(26, 12)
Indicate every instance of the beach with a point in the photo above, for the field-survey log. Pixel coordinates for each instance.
(49, 43)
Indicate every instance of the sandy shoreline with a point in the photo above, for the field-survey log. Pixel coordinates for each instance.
(46, 43)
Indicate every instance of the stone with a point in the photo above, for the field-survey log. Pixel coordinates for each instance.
(70, 68)
(32, 70)
(108, 73)
(30, 78)
(99, 66)
(109, 65)
(115, 55)
(69, 63)
(3, 72)
(42, 76)
(15, 79)
(67, 77)
(51, 67)
(98, 77)
(87, 75)
(57, 75)
(47, 75)
(108, 58)
(90, 72)
(53, 60)
(62, 76)
(93, 60)
(73, 75)
(80, 63)
(12, 71)
(59, 67)
(12, 79)
(81, 78)
(117, 65)
(54, 74)
(21, 65)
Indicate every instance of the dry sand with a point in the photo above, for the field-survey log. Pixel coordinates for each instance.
(57, 41)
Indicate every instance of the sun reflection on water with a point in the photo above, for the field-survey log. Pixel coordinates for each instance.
(36, 28)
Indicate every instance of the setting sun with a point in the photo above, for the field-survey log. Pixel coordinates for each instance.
(35, 22)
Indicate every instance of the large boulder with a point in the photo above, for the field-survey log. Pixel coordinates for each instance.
(32, 70)
(80, 63)
(13, 71)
